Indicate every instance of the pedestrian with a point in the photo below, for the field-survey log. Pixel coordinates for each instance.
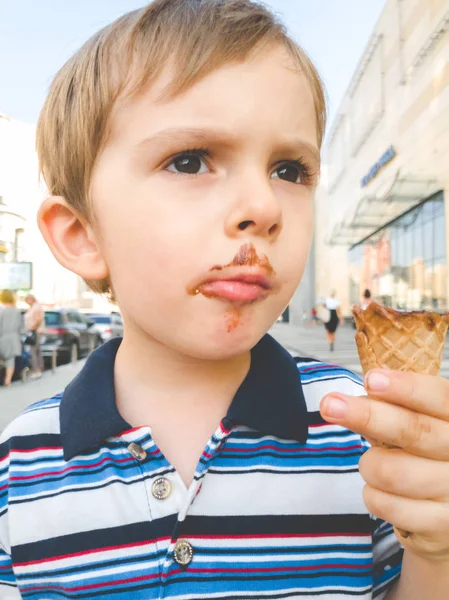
(332, 304)
(366, 299)
(195, 457)
(10, 332)
(34, 320)
(314, 317)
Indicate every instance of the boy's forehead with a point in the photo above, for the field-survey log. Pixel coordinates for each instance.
(268, 86)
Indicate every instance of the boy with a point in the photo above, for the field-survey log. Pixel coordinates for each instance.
(180, 147)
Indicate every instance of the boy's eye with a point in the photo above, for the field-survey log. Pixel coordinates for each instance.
(188, 163)
(293, 172)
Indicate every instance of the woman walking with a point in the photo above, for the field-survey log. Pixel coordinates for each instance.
(34, 319)
(10, 331)
(333, 306)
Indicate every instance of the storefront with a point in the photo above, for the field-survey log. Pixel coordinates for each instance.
(403, 264)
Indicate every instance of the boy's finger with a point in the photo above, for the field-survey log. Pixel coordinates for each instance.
(418, 516)
(400, 473)
(393, 425)
(424, 394)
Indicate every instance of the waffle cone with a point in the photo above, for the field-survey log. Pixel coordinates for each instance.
(404, 341)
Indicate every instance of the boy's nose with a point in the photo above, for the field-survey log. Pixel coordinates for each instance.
(256, 211)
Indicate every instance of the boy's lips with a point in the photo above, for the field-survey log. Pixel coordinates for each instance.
(240, 287)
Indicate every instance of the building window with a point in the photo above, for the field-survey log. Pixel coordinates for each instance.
(404, 264)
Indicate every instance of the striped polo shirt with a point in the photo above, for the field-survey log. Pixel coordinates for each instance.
(91, 508)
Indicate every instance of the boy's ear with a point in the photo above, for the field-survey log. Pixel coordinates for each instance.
(71, 239)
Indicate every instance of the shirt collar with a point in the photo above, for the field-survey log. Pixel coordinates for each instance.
(270, 399)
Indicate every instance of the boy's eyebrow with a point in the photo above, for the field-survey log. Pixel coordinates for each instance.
(191, 135)
(204, 136)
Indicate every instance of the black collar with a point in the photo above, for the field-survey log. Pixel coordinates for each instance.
(270, 399)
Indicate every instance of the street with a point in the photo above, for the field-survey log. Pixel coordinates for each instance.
(16, 398)
(299, 341)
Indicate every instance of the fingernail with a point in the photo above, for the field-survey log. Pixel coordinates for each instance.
(377, 382)
(334, 407)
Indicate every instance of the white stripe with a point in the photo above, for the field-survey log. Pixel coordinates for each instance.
(278, 542)
(72, 513)
(284, 558)
(314, 393)
(272, 470)
(293, 590)
(312, 494)
(98, 573)
(38, 422)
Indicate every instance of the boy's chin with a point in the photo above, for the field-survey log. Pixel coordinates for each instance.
(224, 344)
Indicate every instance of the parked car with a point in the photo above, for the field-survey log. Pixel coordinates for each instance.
(110, 326)
(73, 334)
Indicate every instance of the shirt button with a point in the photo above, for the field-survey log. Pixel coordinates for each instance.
(136, 451)
(183, 553)
(161, 488)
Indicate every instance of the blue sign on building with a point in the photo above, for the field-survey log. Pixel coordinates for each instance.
(383, 160)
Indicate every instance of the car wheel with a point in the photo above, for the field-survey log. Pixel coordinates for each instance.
(74, 352)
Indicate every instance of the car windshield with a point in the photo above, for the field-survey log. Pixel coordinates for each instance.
(52, 318)
(104, 320)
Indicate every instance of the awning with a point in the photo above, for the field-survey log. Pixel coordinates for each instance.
(376, 210)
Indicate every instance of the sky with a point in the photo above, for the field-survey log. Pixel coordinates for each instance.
(38, 36)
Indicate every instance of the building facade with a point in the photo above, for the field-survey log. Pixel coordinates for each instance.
(383, 220)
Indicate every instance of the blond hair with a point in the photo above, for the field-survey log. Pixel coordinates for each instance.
(195, 37)
(7, 297)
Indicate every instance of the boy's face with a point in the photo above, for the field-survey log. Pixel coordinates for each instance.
(203, 205)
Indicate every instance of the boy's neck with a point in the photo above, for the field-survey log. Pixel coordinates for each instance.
(152, 378)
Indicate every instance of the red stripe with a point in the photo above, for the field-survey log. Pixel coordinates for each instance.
(198, 571)
(132, 430)
(224, 430)
(73, 468)
(92, 586)
(93, 551)
(36, 450)
(328, 367)
(156, 451)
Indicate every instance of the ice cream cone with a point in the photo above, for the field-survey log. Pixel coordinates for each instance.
(404, 341)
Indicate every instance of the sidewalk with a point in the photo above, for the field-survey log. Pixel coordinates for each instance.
(311, 341)
(15, 399)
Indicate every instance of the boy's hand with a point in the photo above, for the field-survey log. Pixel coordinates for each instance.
(407, 484)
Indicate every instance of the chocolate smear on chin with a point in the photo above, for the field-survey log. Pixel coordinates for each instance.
(232, 319)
